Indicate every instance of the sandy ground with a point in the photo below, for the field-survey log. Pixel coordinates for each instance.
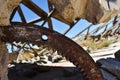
(105, 52)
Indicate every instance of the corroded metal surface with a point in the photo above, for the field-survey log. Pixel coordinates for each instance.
(55, 41)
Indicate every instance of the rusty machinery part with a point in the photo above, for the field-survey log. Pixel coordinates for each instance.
(67, 47)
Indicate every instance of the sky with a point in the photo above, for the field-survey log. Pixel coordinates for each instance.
(57, 26)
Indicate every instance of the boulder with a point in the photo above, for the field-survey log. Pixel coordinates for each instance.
(107, 75)
(117, 55)
(95, 11)
(111, 65)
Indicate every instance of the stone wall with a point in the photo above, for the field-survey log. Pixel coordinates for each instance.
(3, 61)
(94, 11)
(6, 8)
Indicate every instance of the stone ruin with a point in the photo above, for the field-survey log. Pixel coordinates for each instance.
(95, 11)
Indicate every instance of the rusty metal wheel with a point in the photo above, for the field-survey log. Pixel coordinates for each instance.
(30, 33)
(72, 51)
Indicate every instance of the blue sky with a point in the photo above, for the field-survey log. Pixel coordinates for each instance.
(57, 26)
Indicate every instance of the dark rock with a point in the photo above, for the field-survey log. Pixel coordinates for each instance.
(37, 72)
(111, 65)
(107, 75)
(117, 55)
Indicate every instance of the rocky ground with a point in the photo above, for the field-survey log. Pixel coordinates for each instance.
(106, 58)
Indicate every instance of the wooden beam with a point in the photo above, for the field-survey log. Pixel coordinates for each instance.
(51, 10)
(49, 20)
(98, 28)
(32, 6)
(71, 26)
(13, 14)
(21, 15)
(83, 30)
(35, 21)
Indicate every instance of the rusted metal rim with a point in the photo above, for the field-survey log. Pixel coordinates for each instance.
(68, 48)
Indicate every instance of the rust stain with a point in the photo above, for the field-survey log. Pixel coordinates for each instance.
(67, 47)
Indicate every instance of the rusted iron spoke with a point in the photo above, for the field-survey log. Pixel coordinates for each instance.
(48, 19)
(86, 36)
(105, 29)
(35, 21)
(66, 31)
(50, 7)
(35, 8)
(83, 31)
(71, 26)
(98, 28)
(13, 14)
(50, 24)
(21, 15)
(32, 6)
(115, 20)
(72, 51)
(39, 12)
